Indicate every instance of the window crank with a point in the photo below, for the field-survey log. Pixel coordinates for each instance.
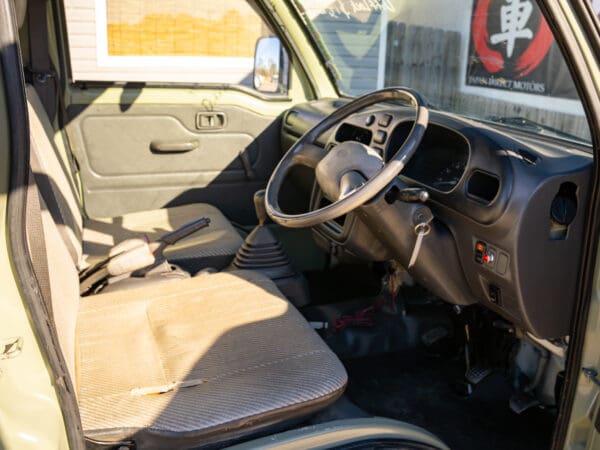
(422, 218)
(591, 374)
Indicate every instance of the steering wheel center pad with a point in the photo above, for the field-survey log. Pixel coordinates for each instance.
(347, 167)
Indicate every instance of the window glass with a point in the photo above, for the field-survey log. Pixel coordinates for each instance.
(192, 41)
(492, 60)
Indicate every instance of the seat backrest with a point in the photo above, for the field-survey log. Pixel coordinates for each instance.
(54, 183)
(64, 288)
(61, 224)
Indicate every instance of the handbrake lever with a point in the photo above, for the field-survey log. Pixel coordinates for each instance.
(173, 237)
(133, 255)
(189, 228)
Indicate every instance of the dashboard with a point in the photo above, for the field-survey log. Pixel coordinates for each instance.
(507, 206)
(440, 162)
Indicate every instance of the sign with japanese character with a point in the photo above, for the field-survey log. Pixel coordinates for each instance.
(512, 48)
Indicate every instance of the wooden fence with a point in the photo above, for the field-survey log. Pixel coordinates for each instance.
(429, 60)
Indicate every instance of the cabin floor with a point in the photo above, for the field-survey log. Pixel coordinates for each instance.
(419, 389)
(408, 362)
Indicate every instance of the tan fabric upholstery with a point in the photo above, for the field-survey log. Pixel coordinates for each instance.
(215, 245)
(184, 363)
(187, 362)
(53, 181)
(226, 347)
(64, 287)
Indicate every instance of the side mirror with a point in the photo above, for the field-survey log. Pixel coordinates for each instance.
(270, 66)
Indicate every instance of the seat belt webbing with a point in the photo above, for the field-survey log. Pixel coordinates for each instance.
(48, 86)
(68, 140)
(42, 74)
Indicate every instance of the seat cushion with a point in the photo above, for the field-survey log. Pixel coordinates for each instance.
(214, 246)
(223, 355)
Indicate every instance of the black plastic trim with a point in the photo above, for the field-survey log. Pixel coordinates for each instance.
(476, 193)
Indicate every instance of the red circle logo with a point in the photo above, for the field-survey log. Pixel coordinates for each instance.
(493, 60)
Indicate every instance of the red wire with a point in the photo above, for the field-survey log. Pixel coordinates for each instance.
(363, 318)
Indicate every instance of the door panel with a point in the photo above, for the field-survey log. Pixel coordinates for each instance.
(131, 159)
(162, 106)
(146, 144)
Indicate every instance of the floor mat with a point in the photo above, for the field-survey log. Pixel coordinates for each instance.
(419, 390)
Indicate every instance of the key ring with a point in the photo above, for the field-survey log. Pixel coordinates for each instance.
(423, 228)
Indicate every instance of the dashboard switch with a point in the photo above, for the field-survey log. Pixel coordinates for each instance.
(480, 250)
(370, 120)
(380, 137)
(385, 120)
(489, 257)
(495, 294)
(502, 263)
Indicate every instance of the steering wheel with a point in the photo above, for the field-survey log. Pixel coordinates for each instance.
(351, 173)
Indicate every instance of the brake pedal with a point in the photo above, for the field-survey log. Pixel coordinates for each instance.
(476, 374)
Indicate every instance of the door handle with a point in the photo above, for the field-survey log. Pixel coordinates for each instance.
(161, 146)
(211, 120)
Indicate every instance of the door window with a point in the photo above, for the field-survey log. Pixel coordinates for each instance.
(163, 41)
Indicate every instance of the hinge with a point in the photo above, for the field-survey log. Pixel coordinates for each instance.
(591, 374)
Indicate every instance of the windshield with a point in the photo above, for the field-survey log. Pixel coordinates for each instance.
(492, 60)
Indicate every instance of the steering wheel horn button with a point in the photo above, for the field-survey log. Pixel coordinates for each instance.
(349, 182)
(346, 168)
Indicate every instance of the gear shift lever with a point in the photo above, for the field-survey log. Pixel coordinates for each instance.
(260, 208)
(262, 252)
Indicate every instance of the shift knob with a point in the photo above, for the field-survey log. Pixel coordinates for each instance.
(259, 207)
